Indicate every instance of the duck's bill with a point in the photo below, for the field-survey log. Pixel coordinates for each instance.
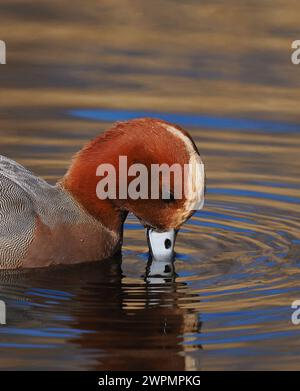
(161, 245)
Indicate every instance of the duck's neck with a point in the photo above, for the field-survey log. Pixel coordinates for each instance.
(81, 182)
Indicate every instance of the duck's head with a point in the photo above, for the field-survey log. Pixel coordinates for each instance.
(121, 171)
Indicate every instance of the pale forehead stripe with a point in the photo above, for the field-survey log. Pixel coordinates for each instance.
(178, 133)
(196, 184)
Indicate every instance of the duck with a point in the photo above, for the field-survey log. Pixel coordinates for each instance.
(42, 225)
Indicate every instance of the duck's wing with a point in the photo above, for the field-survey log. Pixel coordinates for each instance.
(17, 214)
(22, 177)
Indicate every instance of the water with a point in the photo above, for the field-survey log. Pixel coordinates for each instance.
(221, 70)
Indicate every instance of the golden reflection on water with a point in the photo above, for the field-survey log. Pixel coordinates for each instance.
(238, 261)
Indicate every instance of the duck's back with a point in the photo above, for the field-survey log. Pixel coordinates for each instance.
(27, 204)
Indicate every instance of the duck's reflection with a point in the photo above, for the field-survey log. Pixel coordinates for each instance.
(124, 324)
(160, 272)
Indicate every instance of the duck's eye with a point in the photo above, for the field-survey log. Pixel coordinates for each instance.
(168, 197)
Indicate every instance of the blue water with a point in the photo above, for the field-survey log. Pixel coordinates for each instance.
(190, 120)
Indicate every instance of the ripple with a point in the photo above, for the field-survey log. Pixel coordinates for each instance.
(237, 272)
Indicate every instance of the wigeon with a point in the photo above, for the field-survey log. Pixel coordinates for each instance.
(43, 225)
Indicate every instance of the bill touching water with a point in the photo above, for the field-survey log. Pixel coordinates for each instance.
(228, 299)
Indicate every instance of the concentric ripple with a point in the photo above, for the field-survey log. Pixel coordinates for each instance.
(237, 268)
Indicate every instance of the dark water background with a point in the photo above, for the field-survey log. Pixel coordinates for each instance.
(223, 71)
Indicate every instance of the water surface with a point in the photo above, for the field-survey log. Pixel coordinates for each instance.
(223, 71)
